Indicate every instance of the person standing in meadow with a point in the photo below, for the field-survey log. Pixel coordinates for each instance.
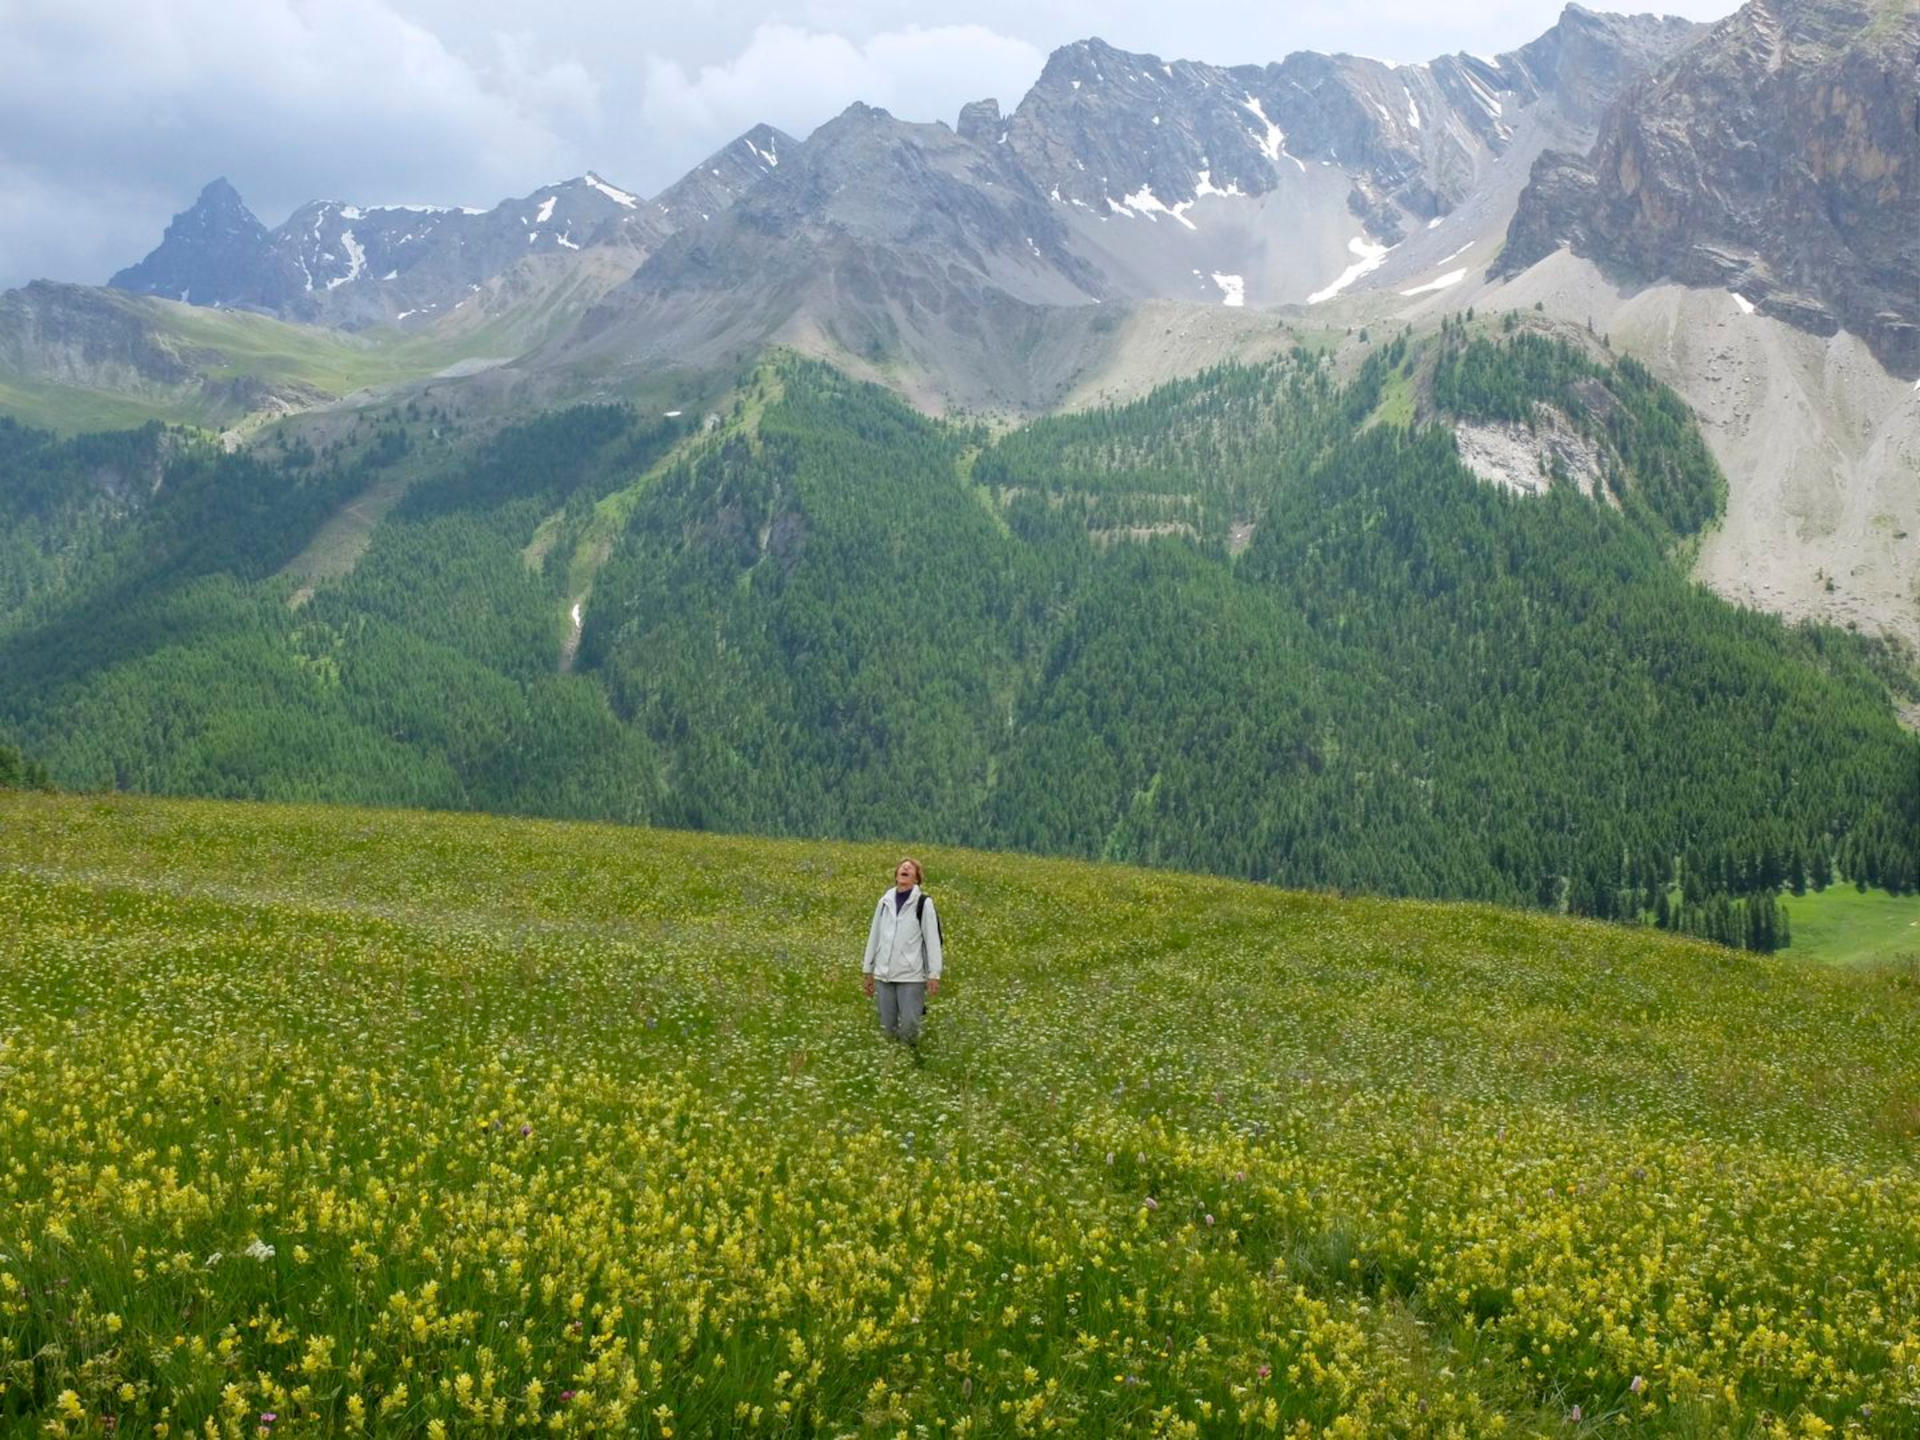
(902, 964)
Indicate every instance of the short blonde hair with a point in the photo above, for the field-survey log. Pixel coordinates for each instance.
(919, 874)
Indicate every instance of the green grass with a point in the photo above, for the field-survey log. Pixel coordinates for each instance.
(330, 362)
(1396, 405)
(72, 409)
(1844, 926)
(321, 1120)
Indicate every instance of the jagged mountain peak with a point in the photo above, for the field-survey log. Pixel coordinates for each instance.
(980, 122)
(1088, 65)
(337, 263)
(219, 193)
(857, 115)
(868, 173)
(1588, 58)
(1092, 54)
(1775, 157)
(218, 209)
(205, 245)
(724, 176)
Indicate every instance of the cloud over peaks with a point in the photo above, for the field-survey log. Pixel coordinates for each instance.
(796, 78)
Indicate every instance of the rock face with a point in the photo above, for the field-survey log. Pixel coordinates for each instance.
(80, 335)
(211, 250)
(90, 338)
(723, 177)
(1779, 158)
(344, 266)
(1119, 177)
(1111, 131)
(888, 241)
(980, 122)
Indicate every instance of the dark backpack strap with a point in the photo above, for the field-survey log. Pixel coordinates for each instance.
(920, 914)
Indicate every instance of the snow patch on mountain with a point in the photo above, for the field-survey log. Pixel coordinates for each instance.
(1144, 202)
(356, 261)
(1452, 277)
(1275, 139)
(613, 193)
(1372, 255)
(1482, 93)
(1203, 185)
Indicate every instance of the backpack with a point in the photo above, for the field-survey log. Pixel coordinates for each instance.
(920, 914)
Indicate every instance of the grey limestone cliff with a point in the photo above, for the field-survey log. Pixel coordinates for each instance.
(1779, 158)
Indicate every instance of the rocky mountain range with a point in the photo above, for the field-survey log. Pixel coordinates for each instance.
(1117, 177)
(1778, 158)
(1773, 154)
(346, 267)
(976, 255)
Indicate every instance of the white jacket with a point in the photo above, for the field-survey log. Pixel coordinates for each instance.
(899, 947)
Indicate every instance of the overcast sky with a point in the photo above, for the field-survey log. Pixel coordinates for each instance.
(113, 113)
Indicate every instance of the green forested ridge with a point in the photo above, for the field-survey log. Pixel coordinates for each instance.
(1664, 471)
(1242, 625)
(424, 678)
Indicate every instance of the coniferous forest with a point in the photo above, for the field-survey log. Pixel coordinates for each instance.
(1246, 625)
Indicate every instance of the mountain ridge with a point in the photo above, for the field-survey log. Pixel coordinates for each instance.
(1103, 135)
(1778, 158)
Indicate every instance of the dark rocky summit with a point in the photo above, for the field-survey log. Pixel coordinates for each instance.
(213, 249)
(340, 265)
(980, 122)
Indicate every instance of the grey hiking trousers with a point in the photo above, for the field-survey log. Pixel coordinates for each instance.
(902, 1004)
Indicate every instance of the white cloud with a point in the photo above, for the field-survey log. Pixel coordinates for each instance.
(292, 101)
(50, 228)
(796, 79)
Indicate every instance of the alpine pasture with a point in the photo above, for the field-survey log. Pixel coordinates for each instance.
(329, 1121)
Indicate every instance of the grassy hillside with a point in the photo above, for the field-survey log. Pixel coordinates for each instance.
(320, 1120)
(87, 358)
(1845, 926)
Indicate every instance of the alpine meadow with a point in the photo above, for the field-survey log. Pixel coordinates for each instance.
(1167, 747)
(331, 1121)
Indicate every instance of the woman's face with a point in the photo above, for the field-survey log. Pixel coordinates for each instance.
(907, 875)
